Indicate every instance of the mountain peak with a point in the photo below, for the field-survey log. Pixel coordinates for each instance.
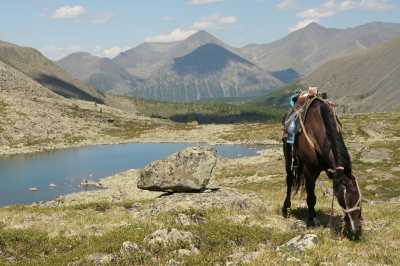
(314, 25)
(202, 35)
(207, 59)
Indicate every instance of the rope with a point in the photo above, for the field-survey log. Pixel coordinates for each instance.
(303, 128)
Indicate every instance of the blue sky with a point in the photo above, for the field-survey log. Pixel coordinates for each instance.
(105, 27)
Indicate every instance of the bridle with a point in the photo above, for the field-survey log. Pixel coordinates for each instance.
(357, 205)
(347, 211)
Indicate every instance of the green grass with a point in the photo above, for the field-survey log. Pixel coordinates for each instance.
(207, 112)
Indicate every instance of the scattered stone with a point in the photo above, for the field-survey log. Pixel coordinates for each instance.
(164, 237)
(189, 170)
(90, 184)
(173, 262)
(186, 220)
(101, 259)
(300, 243)
(187, 252)
(129, 248)
(240, 257)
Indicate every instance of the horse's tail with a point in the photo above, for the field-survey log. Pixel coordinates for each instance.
(339, 149)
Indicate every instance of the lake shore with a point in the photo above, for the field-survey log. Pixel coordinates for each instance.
(202, 134)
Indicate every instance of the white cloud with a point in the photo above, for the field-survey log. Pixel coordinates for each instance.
(57, 52)
(216, 21)
(332, 7)
(102, 18)
(316, 13)
(203, 2)
(286, 4)
(175, 35)
(112, 51)
(302, 24)
(68, 12)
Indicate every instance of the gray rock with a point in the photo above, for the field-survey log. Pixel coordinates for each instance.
(129, 248)
(300, 243)
(164, 237)
(189, 170)
(186, 220)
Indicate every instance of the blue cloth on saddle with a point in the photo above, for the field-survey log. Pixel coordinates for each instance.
(291, 128)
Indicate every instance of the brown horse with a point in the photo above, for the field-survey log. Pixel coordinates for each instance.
(320, 147)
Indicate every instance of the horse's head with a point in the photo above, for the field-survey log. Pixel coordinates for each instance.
(348, 193)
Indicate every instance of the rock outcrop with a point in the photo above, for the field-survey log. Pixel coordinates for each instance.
(189, 170)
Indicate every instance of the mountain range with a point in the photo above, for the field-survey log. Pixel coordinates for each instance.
(204, 67)
(200, 67)
(364, 82)
(306, 49)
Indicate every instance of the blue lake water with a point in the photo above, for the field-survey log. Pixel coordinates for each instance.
(69, 167)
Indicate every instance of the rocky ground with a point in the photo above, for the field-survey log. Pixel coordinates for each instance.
(239, 224)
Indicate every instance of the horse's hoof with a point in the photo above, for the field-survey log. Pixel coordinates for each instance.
(310, 223)
(285, 213)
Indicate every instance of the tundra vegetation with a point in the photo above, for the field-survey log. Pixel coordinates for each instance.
(94, 227)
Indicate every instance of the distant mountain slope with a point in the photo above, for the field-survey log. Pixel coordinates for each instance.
(306, 49)
(367, 81)
(32, 63)
(146, 58)
(286, 75)
(101, 73)
(210, 71)
(206, 59)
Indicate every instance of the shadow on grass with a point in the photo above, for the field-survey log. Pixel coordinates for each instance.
(324, 219)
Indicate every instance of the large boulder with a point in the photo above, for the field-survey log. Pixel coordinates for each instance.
(189, 170)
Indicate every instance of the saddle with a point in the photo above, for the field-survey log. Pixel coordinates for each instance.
(300, 111)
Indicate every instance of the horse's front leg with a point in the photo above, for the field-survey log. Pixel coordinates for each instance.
(311, 200)
(287, 151)
(287, 203)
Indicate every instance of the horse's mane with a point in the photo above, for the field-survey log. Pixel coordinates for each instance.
(335, 137)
